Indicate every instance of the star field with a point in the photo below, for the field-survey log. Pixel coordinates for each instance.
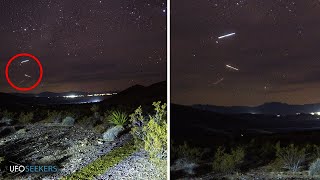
(272, 56)
(87, 45)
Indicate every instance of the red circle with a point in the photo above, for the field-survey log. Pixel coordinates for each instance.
(27, 88)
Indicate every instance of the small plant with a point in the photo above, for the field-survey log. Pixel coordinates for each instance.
(25, 117)
(290, 157)
(117, 118)
(228, 162)
(314, 168)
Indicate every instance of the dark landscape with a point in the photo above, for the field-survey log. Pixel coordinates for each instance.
(84, 140)
(258, 139)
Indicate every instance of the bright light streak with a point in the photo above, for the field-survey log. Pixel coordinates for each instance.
(24, 61)
(227, 35)
(26, 75)
(231, 67)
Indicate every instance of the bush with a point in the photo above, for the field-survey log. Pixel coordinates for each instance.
(103, 163)
(151, 134)
(117, 118)
(100, 128)
(54, 117)
(185, 151)
(25, 117)
(137, 122)
(290, 157)
(228, 162)
(314, 168)
(7, 114)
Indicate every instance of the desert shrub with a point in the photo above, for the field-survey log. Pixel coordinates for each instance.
(103, 163)
(87, 121)
(150, 133)
(7, 114)
(186, 151)
(25, 117)
(137, 122)
(314, 151)
(117, 118)
(101, 128)
(314, 168)
(290, 157)
(156, 139)
(228, 162)
(54, 116)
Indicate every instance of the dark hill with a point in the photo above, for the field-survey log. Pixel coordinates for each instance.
(140, 95)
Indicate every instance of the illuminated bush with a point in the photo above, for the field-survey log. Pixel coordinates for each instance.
(228, 162)
(137, 122)
(151, 134)
(117, 118)
(290, 157)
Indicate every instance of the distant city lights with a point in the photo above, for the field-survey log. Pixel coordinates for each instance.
(89, 95)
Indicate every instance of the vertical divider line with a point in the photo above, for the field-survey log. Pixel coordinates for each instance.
(168, 87)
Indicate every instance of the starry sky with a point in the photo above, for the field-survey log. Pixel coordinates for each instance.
(85, 45)
(274, 55)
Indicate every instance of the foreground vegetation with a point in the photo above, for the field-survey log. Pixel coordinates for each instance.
(267, 157)
(148, 129)
(101, 165)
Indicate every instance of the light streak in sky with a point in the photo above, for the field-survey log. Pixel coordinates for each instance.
(26, 75)
(231, 67)
(227, 35)
(24, 61)
(218, 81)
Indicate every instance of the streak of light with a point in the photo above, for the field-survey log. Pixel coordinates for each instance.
(26, 75)
(231, 67)
(24, 61)
(218, 81)
(227, 35)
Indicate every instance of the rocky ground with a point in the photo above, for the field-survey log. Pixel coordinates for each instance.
(140, 168)
(256, 174)
(70, 148)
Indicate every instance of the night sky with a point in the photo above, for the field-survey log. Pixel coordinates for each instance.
(84, 45)
(274, 55)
